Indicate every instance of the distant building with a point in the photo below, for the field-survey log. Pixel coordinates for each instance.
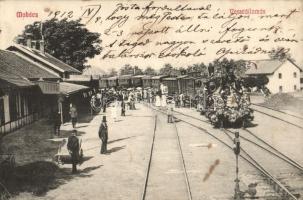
(283, 75)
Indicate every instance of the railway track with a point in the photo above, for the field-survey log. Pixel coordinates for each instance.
(279, 111)
(291, 119)
(149, 175)
(280, 188)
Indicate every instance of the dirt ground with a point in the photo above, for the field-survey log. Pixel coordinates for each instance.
(284, 102)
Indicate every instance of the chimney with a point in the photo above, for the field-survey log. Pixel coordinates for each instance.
(29, 39)
(41, 46)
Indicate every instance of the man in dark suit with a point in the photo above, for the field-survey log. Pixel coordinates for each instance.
(73, 147)
(57, 123)
(122, 108)
(103, 135)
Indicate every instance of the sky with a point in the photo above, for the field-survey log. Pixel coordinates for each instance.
(11, 26)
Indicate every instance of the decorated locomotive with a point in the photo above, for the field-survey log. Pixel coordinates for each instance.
(226, 99)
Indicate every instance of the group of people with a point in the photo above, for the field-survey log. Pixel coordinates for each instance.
(74, 145)
(122, 100)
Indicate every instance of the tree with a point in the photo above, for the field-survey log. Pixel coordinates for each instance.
(127, 69)
(113, 72)
(137, 71)
(280, 53)
(68, 41)
(132, 70)
(150, 71)
(166, 69)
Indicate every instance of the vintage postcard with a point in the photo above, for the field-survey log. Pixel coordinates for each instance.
(151, 100)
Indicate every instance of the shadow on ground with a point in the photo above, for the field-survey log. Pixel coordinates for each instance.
(121, 139)
(40, 177)
(115, 149)
(66, 134)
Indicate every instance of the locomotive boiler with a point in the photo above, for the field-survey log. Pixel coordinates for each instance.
(226, 100)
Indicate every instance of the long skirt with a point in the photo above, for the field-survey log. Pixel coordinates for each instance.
(163, 101)
(158, 101)
(114, 113)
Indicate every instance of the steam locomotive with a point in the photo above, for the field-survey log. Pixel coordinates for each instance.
(226, 99)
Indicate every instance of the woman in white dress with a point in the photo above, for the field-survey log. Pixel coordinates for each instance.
(158, 99)
(163, 102)
(115, 110)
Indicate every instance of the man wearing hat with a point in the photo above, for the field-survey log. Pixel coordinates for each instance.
(73, 147)
(103, 135)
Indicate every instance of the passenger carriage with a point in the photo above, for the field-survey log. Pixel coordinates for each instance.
(113, 82)
(137, 81)
(187, 85)
(103, 82)
(172, 85)
(156, 80)
(125, 81)
(146, 81)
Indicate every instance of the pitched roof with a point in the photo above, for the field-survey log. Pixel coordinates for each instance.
(79, 78)
(295, 64)
(45, 58)
(138, 76)
(11, 80)
(70, 88)
(170, 79)
(159, 76)
(11, 62)
(112, 78)
(146, 77)
(264, 66)
(125, 77)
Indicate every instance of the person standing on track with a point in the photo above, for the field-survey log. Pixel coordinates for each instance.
(103, 135)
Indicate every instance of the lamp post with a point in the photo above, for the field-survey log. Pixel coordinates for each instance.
(236, 148)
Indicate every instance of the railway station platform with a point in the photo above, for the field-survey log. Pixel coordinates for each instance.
(172, 161)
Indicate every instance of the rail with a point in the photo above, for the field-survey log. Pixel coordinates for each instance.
(277, 185)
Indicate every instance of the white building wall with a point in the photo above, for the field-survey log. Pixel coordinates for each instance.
(288, 81)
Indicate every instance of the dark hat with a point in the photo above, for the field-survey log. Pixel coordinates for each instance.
(104, 119)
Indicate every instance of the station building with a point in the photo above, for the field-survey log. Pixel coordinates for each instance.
(32, 85)
(283, 75)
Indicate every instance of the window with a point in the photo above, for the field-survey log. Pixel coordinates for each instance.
(280, 88)
(295, 75)
(2, 115)
(295, 87)
(14, 106)
(280, 75)
(301, 80)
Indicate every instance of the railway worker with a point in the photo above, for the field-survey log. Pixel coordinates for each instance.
(103, 135)
(123, 108)
(73, 147)
(74, 115)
